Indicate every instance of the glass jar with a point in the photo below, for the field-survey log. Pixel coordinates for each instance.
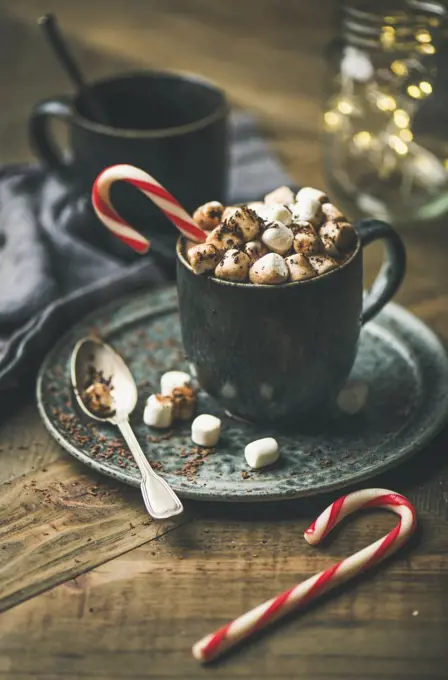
(386, 114)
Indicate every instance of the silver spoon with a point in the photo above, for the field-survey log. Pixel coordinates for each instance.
(91, 354)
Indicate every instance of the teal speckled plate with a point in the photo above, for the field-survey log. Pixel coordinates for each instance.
(402, 361)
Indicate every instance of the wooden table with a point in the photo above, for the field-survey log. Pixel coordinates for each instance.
(89, 587)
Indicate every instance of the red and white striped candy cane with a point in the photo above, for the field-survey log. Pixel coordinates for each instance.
(153, 190)
(223, 639)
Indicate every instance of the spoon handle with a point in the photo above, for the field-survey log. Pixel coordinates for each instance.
(160, 500)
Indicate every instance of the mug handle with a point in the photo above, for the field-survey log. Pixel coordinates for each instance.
(392, 270)
(41, 138)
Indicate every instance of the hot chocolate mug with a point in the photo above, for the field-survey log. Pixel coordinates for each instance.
(281, 352)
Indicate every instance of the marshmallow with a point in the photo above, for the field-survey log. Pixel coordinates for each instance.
(203, 257)
(99, 398)
(306, 240)
(309, 192)
(254, 250)
(184, 402)
(261, 452)
(322, 263)
(329, 247)
(209, 215)
(234, 266)
(332, 213)
(226, 236)
(278, 238)
(228, 212)
(247, 222)
(353, 396)
(256, 206)
(341, 233)
(172, 379)
(206, 430)
(158, 411)
(260, 208)
(269, 269)
(280, 195)
(275, 212)
(299, 268)
(307, 210)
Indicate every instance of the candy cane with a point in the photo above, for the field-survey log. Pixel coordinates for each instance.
(153, 190)
(223, 639)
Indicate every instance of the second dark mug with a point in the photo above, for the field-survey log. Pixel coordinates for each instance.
(283, 352)
(173, 126)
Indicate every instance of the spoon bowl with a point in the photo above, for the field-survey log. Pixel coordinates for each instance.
(94, 361)
(90, 355)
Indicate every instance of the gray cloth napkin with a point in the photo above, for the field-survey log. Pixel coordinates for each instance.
(53, 268)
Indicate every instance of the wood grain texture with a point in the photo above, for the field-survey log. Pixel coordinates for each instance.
(129, 604)
(139, 615)
(59, 522)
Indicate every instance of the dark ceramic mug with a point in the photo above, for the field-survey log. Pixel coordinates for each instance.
(173, 126)
(283, 352)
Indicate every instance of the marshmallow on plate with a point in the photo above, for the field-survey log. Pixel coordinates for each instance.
(206, 430)
(280, 195)
(172, 379)
(254, 250)
(159, 411)
(226, 236)
(299, 268)
(353, 396)
(322, 264)
(261, 452)
(234, 266)
(203, 257)
(341, 233)
(332, 213)
(278, 238)
(209, 215)
(310, 192)
(306, 240)
(184, 402)
(269, 269)
(276, 212)
(307, 210)
(246, 221)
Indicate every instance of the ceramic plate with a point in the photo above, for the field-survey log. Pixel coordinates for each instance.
(399, 358)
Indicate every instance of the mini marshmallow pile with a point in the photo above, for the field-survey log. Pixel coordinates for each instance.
(286, 238)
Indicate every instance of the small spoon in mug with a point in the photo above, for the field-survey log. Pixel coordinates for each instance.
(92, 357)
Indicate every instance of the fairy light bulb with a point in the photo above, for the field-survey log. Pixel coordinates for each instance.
(414, 92)
(386, 103)
(423, 36)
(362, 139)
(406, 135)
(398, 145)
(387, 36)
(332, 120)
(426, 48)
(399, 68)
(425, 87)
(401, 118)
(345, 107)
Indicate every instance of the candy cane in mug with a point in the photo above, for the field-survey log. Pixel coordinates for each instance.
(153, 190)
(223, 639)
